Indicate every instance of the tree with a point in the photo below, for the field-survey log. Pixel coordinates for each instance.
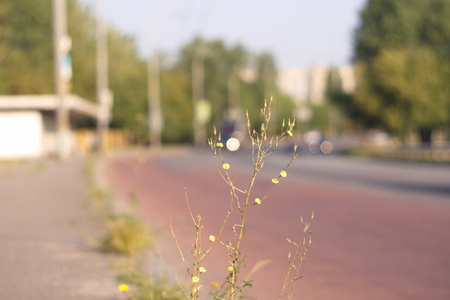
(403, 61)
(224, 87)
(128, 82)
(217, 62)
(26, 53)
(403, 91)
(26, 67)
(265, 87)
(26, 59)
(81, 28)
(176, 106)
(127, 71)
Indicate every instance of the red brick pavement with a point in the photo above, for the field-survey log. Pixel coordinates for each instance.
(365, 246)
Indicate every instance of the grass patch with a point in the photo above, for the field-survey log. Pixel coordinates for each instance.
(125, 234)
(146, 288)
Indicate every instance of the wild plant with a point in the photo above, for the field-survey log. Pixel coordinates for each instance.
(296, 259)
(241, 201)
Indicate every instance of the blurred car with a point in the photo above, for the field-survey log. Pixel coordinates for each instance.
(232, 137)
(317, 143)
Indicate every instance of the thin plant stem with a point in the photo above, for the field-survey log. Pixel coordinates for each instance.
(262, 147)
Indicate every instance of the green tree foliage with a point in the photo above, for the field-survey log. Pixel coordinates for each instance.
(218, 62)
(401, 89)
(128, 81)
(347, 115)
(224, 86)
(127, 71)
(403, 61)
(26, 47)
(26, 67)
(26, 59)
(177, 106)
(81, 29)
(387, 24)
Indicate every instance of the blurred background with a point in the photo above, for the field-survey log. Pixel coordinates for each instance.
(367, 77)
(359, 77)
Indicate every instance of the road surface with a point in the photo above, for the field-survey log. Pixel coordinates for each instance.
(381, 229)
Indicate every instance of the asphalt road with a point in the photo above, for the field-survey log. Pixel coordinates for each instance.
(381, 229)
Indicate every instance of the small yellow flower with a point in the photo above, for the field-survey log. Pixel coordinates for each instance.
(283, 173)
(215, 284)
(257, 201)
(202, 270)
(219, 144)
(195, 279)
(230, 269)
(289, 133)
(123, 287)
(226, 166)
(275, 180)
(212, 238)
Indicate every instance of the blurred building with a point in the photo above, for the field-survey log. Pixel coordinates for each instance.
(347, 78)
(310, 85)
(28, 124)
(294, 82)
(317, 84)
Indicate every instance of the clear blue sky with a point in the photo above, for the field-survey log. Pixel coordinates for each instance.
(299, 33)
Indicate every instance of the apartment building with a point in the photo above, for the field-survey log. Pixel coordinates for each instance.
(310, 85)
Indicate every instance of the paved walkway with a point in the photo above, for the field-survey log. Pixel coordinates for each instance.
(44, 254)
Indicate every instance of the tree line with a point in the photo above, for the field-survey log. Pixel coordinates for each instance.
(401, 58)
(26, 58)
(402, 62)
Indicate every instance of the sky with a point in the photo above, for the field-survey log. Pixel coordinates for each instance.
(299, 33)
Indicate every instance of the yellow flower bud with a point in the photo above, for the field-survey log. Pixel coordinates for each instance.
(123, 287)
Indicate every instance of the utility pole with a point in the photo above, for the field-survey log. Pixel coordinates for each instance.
(154, 103)
(104, 95)
(234, 112)
(155, 115)
(234, 107)
(198, 94)
(61, 46)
